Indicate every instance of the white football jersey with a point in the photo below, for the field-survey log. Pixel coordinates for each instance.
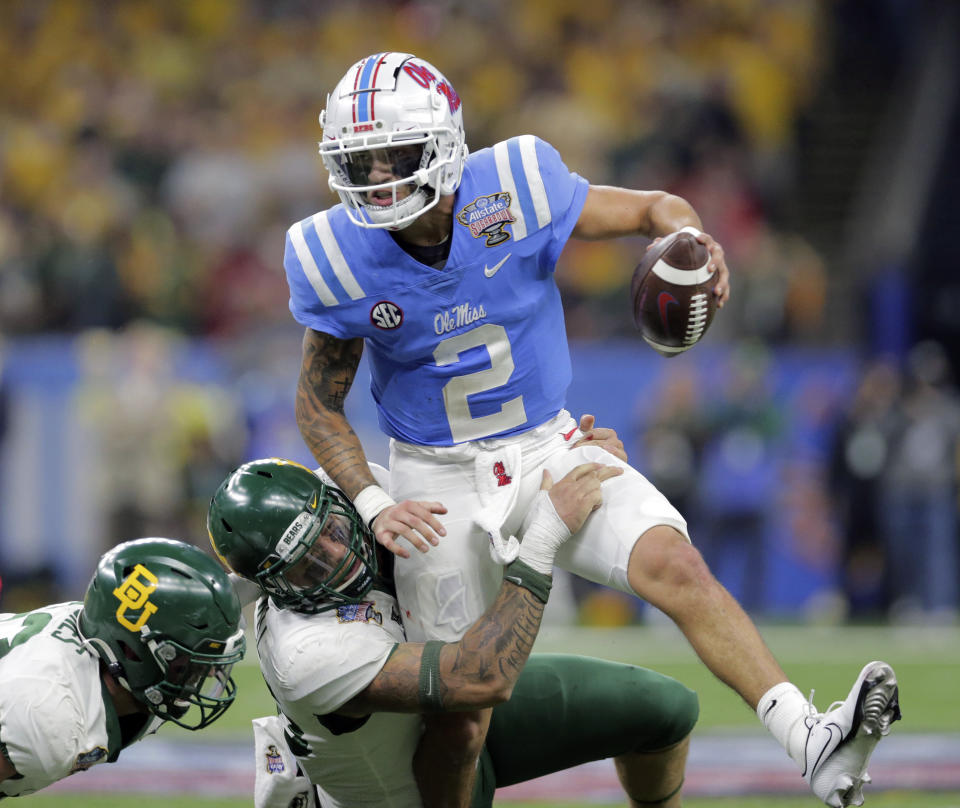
(313, 664)
(55, 718)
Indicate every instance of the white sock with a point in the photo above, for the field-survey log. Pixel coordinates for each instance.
(782, 710)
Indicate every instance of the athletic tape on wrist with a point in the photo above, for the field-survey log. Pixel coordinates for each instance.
(522, 574)
(429, 693)
(370, 501)
(544, 535)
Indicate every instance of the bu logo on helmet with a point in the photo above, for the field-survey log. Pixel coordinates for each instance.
(134, 593)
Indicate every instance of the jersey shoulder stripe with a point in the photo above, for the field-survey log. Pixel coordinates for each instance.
(518, 169)
(308, 266)
(338, 263)
(531, 170)
(317, 252)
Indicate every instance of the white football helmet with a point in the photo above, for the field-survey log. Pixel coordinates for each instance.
(393, 139)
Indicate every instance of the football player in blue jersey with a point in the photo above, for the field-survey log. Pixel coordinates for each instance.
(440, 263)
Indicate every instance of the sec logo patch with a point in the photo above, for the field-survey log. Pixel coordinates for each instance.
(386, 315)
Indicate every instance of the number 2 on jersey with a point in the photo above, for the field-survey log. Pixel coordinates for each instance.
(464, 426)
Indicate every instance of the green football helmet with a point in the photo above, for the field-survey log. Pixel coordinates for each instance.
(276, 523)
(165, 619)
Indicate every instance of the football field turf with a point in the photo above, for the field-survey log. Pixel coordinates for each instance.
(828, 659)
(889, 799)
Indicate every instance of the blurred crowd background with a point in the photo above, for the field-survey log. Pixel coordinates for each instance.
(152, 155)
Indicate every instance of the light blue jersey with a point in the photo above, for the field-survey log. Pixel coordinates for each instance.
(478, 348)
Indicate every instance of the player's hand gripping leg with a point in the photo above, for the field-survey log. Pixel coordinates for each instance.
(410, 520)
(602, 436)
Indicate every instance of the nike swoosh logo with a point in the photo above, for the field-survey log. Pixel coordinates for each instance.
(491, 271)
(825, 750)
(512, 580)
(664, 301)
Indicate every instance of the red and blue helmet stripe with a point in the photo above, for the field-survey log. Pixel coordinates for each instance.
(364, 88)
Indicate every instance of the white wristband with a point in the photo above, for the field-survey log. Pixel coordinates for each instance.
(546, 532)
(370, 501)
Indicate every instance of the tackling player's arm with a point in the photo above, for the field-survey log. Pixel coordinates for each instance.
(481, 668)
(611, 212)
(327, 371)
(478, 671)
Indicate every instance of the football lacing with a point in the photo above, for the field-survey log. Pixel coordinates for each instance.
(698, 318)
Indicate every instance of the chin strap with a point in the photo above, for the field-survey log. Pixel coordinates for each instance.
(102, 651)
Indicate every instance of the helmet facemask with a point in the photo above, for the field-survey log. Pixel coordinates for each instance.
(324, 559)
(198, 677)
(415, 191)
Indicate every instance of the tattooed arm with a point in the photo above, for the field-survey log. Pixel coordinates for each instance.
(481, 669)
(478, 671)
(327, 371)
(326, 375)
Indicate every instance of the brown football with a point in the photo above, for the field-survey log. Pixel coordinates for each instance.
(672, 293)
